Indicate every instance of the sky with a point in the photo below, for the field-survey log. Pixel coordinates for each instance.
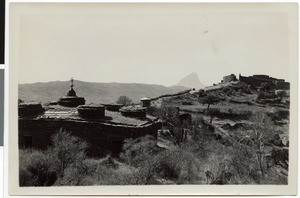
(151, 43)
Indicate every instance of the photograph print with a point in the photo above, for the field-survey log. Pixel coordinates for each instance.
(153, 94)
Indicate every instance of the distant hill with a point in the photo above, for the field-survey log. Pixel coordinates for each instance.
(191, 81)
(93, 92)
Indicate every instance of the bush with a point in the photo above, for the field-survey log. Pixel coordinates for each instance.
(266, 95)
(66, 150)
(35, 169)
(244, 163)
(210, 99)
(154, 111)
(187, 103)
(124, 100)
(280, 114)
(62, 164)
(179, 165)
(136, 151)
(75, 174)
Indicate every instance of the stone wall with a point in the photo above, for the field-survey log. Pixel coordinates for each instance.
(103, 138)
(229, 78)
(256, 81)
(282, 85)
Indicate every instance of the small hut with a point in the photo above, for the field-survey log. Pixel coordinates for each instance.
(146, 102)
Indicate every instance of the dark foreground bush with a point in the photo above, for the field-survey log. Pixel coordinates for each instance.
(35, 169)
(62, 164)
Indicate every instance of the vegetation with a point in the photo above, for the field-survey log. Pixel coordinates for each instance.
(124, 100)
(61, 164)
(239, 146)
(210, 99)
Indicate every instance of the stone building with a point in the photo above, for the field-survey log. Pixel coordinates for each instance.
(146, 102)
(256, 81)
(229, 78)
(103, 130)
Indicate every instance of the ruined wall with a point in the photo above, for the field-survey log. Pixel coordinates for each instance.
(229, 78)
(255, 81)
(102, 138)
(282, 85)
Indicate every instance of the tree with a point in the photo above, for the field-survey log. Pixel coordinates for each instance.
(124, 100)
(210, 99)
(263, 131)
(67, 150)
(178, 128)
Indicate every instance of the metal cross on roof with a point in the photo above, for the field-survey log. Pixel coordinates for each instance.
(72, 85)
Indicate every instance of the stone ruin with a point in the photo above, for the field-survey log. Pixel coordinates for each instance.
(229, 78)
(257, 81)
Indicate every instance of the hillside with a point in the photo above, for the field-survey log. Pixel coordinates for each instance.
(229, 133)
(228, 116)
(93, 92)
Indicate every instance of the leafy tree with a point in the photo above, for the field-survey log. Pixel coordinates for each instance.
(210, 99)
(263, 129)
(124, 100)
(67, 150)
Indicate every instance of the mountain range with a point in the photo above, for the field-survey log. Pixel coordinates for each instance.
(92, 92)
(101, 92)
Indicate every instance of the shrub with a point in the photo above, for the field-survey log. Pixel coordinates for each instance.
(210, 99)
(136, 151)
(280, 114)
(62, 164)
(201, 93)
(266, 95)
(187, 103)
(179, 165)
(66, 150)
(75, 174)
(124, 100)
(154, 111)
(244, 163)
(35, 169)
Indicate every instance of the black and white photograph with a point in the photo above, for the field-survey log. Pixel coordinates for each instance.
(153, 94)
